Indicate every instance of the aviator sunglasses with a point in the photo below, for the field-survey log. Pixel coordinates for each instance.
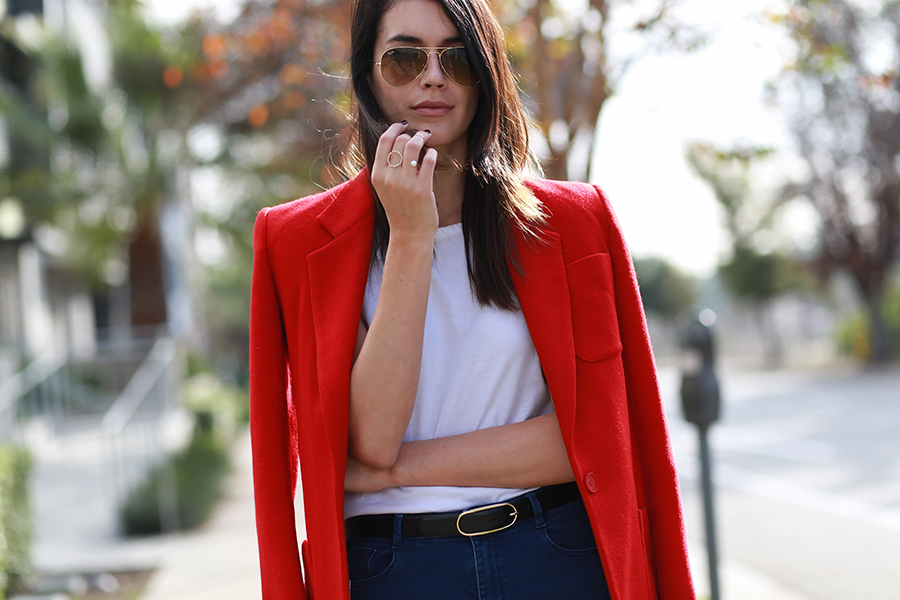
(401, 66)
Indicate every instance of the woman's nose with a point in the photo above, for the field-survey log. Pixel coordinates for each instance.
(434, 74)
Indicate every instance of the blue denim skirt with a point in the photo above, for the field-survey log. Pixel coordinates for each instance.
(553, 553)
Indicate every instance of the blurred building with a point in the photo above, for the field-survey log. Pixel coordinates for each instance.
(84, 375)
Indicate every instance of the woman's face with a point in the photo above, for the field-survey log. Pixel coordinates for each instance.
(432, 101)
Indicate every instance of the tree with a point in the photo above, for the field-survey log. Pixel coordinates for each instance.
(96, 185)
(235, 115)
(266, 97)
(842, 96)
(756, 272)
(567, 71)
(665, 291)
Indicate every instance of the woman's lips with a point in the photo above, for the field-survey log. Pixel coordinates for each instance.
(432, 109)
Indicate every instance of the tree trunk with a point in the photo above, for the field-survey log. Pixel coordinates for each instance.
(879, 336)
(773, 349)
(148, 292)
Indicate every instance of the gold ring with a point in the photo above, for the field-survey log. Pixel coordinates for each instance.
(399, 160)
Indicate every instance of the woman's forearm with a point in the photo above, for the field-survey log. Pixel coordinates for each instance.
(385, 374)
(519, 455)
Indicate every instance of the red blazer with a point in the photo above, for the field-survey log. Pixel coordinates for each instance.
(580, 299)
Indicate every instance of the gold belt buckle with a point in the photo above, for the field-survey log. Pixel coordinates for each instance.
(514, 514)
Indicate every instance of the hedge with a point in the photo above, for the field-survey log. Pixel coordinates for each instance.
(15, 517)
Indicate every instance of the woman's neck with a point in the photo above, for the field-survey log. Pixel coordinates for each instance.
(450, 183)
(449, 189)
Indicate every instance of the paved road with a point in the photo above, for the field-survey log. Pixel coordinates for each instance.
(807, 466)
(808, 499)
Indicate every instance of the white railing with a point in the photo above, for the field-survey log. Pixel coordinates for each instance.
(144, 425)
(25, 382)
(53, 406)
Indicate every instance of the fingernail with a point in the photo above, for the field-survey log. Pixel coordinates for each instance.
(404, 122)
(428, 131)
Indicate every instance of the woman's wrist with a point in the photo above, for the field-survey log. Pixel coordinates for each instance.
(402, 472)
(413, 239)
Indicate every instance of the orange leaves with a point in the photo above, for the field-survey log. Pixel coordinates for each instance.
(281, 27)
(258, 115)
(293, 100)
(172, 77)
(204, 72)
(276, 62)
(875, 82)
(214, 47)
(255, 43)
(292, 74)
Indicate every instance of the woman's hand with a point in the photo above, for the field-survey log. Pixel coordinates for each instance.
(405, 187)
(360, 477)
(385, 374)
(519, 455)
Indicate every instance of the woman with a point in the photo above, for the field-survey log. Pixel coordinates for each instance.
(409, 328)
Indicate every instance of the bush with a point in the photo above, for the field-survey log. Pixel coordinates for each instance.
(854, 335)
(221, 407)
(15, 516)
(195, 474)
(198, 473)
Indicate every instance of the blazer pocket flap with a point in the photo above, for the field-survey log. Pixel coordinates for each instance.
(594, 321)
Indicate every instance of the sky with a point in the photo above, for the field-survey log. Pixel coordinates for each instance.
(666, 102)
(662, 104)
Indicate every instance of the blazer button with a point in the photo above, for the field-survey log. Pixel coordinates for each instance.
(590, 482)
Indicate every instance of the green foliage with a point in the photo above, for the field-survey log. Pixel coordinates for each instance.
(838, 94)
(225, 407)
(754, 272)
(733, 178)
(758, 277)
(197, 472)
(15, 516)
(665, 290)
(855, 333)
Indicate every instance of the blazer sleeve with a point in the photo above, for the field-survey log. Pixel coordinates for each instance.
(274, 456)
(656, 478)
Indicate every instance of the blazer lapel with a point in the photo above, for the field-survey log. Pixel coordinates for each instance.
(337, 281)
(543, 294)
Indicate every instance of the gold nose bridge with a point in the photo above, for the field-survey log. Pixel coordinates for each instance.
(436, 50)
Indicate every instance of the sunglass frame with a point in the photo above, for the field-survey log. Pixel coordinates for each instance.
(428, 50)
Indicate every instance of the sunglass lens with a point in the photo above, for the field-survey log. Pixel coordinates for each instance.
(455, 63)
(399, 66)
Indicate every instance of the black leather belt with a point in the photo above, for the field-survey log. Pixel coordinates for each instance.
(475, 521)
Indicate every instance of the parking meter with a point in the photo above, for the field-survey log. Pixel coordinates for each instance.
(700, 400)
(699, 386)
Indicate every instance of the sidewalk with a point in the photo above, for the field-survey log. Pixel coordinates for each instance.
(220, 561)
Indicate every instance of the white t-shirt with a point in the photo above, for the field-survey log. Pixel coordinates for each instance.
(479, 370)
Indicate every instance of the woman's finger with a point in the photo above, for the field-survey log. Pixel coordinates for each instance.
(412, 152)
(429, 163)
(386, 143)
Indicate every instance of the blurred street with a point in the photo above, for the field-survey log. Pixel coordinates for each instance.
(749, 150)
(806, 465)
(219, 561)
(807, 470)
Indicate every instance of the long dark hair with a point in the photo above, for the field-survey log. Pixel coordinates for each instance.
(496, 203)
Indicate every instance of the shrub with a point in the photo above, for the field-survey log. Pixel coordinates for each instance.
(198, 472)
(219, 406)
(195, 474)
(15, 516)
(854, 333)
